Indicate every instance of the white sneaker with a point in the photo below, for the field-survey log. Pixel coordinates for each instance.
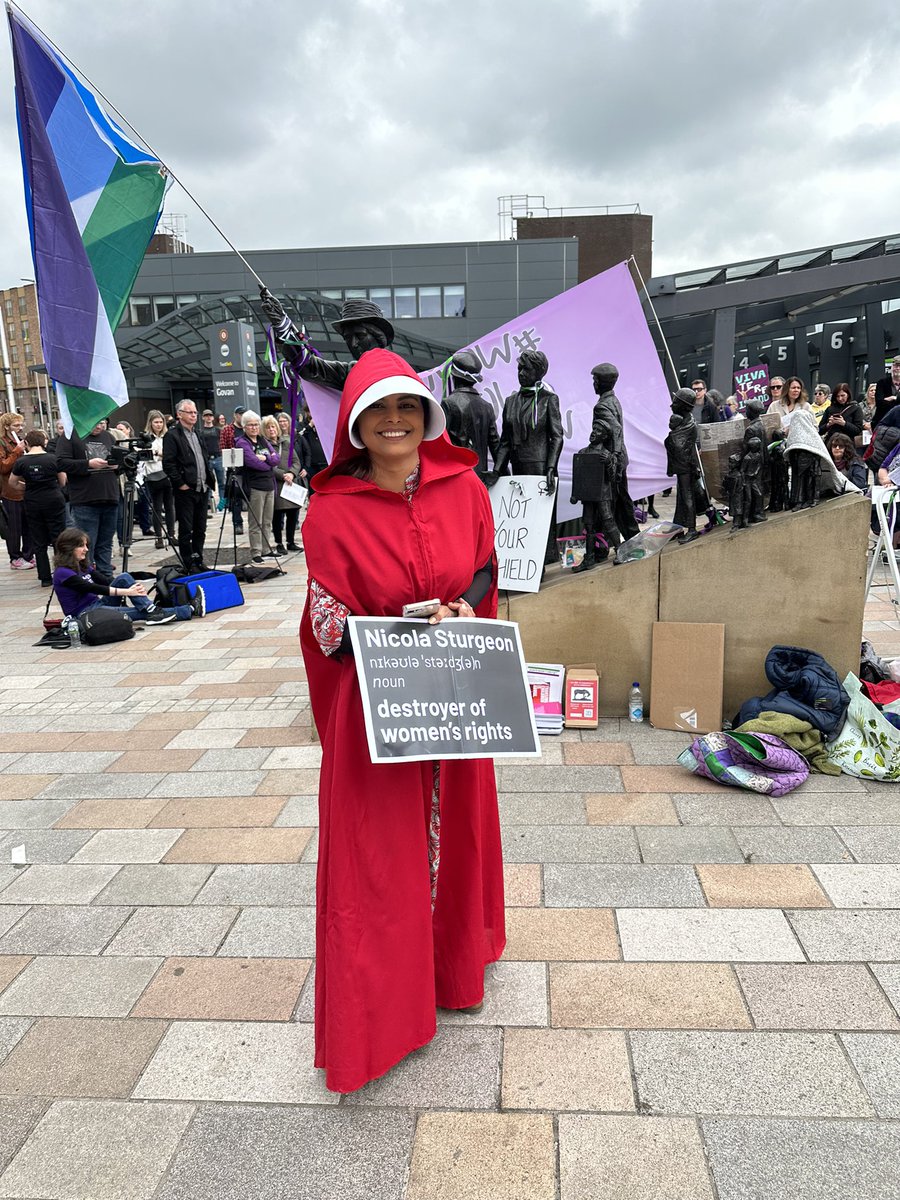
(21, 564)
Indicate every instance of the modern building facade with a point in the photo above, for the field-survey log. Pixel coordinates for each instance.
(24, 386)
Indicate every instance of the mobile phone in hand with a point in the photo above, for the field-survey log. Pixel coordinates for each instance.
(424, 608)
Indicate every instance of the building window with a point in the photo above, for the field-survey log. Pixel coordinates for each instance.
(356, 293)
(141, 310)
(17, 377)
(383, 297)
(454, 300)
(9, 308)
(162, 306)
(29, 353)
(404, 302)
(25, 333)
(429, 301)
(332, 294)
(23, 306)
(10, 332)
(185, 301)
(14, 354)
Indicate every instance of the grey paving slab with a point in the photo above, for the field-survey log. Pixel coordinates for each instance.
(706, 935)
(876, 1057)
(156, 883)
(870, 885)
(300, 812)
(541, 808)
(246, 718)
(631, 1158)
(552, 779)
(742, 808)
(245, 759)
(842, 785)
(124, 785)
(78, 987)
(7, 760)
(571, 844)
(182, 784)
(764, 1074)
(8, 875)
(66, 762)
(811, 996)
(33, 814)
(649, 754)
(593, 885)
(18, 1116)
(269, 884)
(252, 1061)
(44, 845)
(128, 845)
(847, 935)
(276, 1153)
(460, 1068)
(805, 808)
(271, 932)
(97, 1150)
(687, 844)
(803, 1160)
(10, 914)
(888, 976)
(63, 929)
(763, 844)
(515, 993)
(204, 739)
(49, 883)
(872, 843)
(91, 722)
(12, 1030)
(184, 931)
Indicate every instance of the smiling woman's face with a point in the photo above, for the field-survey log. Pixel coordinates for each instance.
(392, 427)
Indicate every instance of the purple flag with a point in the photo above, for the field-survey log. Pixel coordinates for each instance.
(600, 320)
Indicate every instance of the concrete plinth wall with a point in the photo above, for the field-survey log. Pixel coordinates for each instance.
(798, 579)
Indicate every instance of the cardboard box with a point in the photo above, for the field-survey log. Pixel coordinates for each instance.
(687, 669)
(582, 696)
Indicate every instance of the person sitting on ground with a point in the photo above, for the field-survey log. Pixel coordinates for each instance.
(278, 433)
(260, 463)
(44, 502)
(842, 415)
(844, 456)
(79, 587)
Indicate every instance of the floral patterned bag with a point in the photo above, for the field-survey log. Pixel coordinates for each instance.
(757, 762)
(868, 745)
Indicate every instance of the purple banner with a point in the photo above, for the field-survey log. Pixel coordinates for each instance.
(751, 384)
(600, 320)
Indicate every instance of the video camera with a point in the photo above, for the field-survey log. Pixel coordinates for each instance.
(127, 453)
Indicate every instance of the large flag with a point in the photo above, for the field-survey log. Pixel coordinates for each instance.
(600, 320)
(93, 198)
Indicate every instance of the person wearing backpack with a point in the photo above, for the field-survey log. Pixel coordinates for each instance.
(79, 588)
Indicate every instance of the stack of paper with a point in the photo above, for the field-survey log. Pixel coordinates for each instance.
(546, 683)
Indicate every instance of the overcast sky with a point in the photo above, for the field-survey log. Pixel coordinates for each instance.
(742, 128)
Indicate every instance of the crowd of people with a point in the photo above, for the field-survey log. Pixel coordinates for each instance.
(49, 484)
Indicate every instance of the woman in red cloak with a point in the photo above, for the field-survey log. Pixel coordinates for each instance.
(409, 893)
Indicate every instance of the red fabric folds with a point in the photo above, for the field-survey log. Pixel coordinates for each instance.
(383, 959)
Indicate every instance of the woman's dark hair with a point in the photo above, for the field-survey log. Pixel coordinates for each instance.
(35, 437)
(786, 391)
(842, 387)
(65, 545)
(841, 439)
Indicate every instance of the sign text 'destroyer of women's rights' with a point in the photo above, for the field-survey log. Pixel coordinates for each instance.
(457, 689)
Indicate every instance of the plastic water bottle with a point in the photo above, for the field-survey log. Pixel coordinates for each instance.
(74, 633)
(636, 704)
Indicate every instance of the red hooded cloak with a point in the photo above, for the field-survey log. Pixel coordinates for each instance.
(384, 959)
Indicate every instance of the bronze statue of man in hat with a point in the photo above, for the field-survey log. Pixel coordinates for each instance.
(362, 325)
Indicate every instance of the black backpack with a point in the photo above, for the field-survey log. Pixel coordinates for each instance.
(101, 625)
(170, 594)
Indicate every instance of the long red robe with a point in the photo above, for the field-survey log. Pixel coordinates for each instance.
(383, 958)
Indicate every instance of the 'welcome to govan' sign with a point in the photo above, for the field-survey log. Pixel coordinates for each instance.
(457, 689)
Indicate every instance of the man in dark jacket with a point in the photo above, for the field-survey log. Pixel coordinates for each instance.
(187, 466)
(887, 389)
(93, 489)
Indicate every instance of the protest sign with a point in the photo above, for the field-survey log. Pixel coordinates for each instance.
(522, 511)
(457, 689)
(751, 384)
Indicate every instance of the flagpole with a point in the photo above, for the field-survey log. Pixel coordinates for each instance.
(633, 260)
(140, 136)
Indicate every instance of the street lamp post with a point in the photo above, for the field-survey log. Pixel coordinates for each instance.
(7, 370)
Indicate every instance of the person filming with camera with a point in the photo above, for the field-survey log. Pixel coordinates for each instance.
(93, 489)
(186, 463)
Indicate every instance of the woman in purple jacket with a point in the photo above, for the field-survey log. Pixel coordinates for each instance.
(260, 463)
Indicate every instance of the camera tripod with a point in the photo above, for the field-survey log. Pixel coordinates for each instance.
(234, 494)
(131, 489)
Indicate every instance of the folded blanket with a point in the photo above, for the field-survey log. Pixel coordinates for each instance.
(799, 735)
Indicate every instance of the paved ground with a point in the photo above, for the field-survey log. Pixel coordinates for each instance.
(699, 998)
